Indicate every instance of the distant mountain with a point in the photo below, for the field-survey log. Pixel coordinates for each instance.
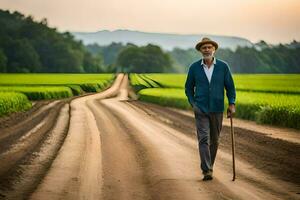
(166, 41)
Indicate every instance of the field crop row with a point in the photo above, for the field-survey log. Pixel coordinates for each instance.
(13, 102)
(48, 86)
(270, 83)
(53, 86)
(39, 92)
(281, 109)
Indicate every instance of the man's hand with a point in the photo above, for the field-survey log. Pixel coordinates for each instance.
(230, 110)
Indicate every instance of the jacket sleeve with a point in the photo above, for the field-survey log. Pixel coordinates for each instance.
(229, 86)
(189, 87)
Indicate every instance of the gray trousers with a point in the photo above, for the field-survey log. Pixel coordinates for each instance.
(208, 126)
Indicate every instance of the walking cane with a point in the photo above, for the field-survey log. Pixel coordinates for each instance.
(233, 146)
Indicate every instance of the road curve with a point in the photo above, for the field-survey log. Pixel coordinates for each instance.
(106, 146)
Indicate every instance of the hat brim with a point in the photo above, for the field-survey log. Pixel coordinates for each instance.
(198, 46)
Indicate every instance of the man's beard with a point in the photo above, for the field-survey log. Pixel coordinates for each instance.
(208, 56)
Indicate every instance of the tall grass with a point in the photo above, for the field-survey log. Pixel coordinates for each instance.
(52, 79)
(267, 108)
(13, 102)
(269, 83)
(39, 92)
(48, 86)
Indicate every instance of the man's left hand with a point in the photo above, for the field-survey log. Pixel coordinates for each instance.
(230, 110)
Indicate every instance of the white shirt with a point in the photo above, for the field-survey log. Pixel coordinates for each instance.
(208, 71)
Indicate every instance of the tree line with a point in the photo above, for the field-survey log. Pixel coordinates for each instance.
(132, 58)
(30, 46)
(261, 58)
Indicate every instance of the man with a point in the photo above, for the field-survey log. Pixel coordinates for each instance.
(204, 89)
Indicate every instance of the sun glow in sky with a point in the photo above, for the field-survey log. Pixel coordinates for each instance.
(274, 21)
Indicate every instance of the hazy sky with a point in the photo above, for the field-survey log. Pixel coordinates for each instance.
(271, 20)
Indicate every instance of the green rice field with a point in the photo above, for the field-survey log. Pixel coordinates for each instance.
(271, 83)
(270, 99)
(13, 102)
(46, 86)
(40, 92)
(52, 79)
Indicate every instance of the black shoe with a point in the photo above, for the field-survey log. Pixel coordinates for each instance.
(207, 176)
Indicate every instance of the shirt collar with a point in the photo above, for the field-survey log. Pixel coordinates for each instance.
(214, 61)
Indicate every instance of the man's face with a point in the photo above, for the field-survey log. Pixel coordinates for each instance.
(207, 51)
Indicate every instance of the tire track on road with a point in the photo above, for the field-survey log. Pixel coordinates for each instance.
(179, 154)
(124, 160)
(76, 171)
(173, 171)
(24, 172)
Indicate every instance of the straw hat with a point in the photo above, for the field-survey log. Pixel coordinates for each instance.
(206, 40)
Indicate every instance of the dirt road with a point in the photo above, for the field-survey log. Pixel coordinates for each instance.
(105, 146)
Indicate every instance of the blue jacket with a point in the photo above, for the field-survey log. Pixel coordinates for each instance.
(209, 97)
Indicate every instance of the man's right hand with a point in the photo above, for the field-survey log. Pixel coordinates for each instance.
(230, 110)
